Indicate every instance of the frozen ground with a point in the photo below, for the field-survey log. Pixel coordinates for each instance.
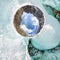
(12, 45)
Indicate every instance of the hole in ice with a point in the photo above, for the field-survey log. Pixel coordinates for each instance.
(28, 20)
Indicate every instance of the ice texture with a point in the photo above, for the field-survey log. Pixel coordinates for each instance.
(12, 45)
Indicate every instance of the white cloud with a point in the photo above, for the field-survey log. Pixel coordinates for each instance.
(25, 28)
(35, 21)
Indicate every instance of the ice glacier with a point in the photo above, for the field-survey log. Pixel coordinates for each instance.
(12, 44)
